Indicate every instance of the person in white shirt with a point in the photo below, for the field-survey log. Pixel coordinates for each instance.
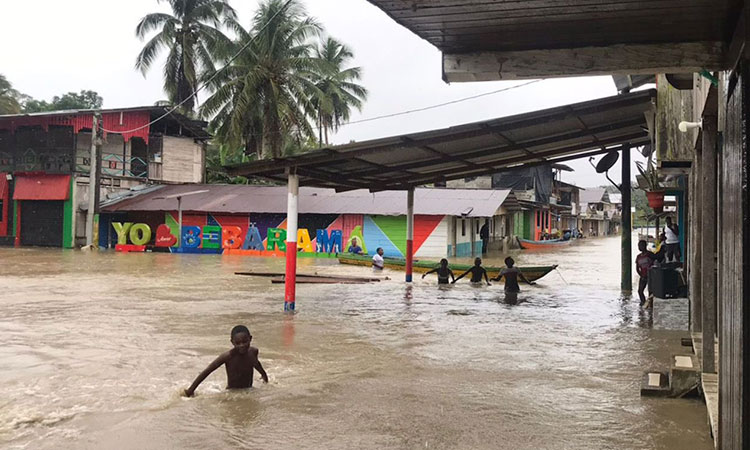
(377, 259)
(672, 233)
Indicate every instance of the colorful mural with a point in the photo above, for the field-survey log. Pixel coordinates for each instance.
(319, 234)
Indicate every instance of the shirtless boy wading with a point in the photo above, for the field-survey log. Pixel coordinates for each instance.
(241, 363)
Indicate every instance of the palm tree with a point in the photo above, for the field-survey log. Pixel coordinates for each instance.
(262, 98)
(9, 97)
(339, 92)
(192, 35)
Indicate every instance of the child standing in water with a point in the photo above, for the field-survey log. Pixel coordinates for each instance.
(511, 275)
(477, 272)
(443, 272)
(240, 363)
(643, 263)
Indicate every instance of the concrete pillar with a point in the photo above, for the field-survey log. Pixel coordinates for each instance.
(708, 241)
(292, 209)
(626, 282)
(409, 234)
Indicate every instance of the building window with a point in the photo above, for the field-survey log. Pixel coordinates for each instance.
(463, 227)
(1, 210)
(477, 232)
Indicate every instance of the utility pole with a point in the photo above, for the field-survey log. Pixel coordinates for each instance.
(626, 227)
(93, 184)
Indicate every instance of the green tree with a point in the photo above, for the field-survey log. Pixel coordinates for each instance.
(71, 100)
(9, 97)
(262, 98)
(193, 36)
(337, 89)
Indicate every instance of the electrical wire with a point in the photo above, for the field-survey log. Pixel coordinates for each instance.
(439, 105)
(200, 88)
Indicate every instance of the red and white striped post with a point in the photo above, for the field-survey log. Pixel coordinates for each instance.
(409, 234)
(291, 243)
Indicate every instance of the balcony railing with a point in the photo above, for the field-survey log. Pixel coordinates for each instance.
(116, 166)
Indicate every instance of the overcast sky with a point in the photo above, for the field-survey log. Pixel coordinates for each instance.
(91, 44)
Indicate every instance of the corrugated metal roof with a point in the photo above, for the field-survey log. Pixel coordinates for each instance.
(592, 195)
(482, 148)
(244, 199)
(461, 26)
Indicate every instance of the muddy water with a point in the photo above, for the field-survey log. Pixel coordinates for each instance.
(96, 348)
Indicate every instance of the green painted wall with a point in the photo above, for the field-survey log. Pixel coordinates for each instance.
(518, 222)
(528, 225)
(395, 228)
(68, 237)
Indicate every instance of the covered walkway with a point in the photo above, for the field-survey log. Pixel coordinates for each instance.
(404, 162)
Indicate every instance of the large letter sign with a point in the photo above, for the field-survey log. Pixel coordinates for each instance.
(211, 236)
(122, 231)
(164, 236)
(191, 237)
(276, 238)
(303, 240)
(329, 243)
(140, 234)
(253, 241)
(230, 237)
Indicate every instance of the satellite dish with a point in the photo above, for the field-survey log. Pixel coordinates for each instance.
(607, 162)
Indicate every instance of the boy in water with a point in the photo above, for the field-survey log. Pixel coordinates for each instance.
(239, 361)
(511, 275)
(477, 272)
(643, 263)
(443, 272)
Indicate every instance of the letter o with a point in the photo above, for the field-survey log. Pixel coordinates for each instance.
(140, 234)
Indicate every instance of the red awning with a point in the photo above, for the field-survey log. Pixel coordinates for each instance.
(42, 187)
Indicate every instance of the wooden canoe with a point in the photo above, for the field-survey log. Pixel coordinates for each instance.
(542, 245)
(533, 273)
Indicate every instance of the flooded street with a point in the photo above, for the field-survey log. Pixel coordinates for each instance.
(96, 348)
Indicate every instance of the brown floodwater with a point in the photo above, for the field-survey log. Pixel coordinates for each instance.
(96, 348)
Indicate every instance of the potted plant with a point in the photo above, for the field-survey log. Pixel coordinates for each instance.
(654, 190)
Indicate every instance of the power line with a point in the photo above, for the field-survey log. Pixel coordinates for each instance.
(200, 88)
(439, 105)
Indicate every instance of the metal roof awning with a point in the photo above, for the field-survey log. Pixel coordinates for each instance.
(542, 137)
(42, 187)
(506, 39)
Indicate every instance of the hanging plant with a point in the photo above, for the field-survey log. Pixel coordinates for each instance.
(654, 189)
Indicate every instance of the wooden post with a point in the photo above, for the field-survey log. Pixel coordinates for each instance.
(409, 233)
(92, 181)
(290, 280)
(708, 241)
(626, 260)
(695, 209)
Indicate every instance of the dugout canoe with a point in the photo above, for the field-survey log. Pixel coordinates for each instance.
(527, 244)
(533, 273)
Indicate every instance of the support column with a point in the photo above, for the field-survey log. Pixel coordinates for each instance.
(708, 241)
(290, 279)
(626, 226)
(92, 182)
(694, 271)
(409, 234)
(179, 222)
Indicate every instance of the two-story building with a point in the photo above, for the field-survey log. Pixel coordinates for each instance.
(45, 162)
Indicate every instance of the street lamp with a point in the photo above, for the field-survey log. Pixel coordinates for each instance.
(179, 209)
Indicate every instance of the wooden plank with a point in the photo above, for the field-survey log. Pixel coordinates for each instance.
(708, 233)
(621, 59)
(320, 280)
(305, 275)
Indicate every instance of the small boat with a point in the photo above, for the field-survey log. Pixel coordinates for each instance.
(527, 244)
(532, 273)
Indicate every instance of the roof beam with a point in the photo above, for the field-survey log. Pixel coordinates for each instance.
(498, 149)
(502, 164)
(626, 59)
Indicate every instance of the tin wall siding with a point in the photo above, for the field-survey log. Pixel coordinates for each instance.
(733, 258)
